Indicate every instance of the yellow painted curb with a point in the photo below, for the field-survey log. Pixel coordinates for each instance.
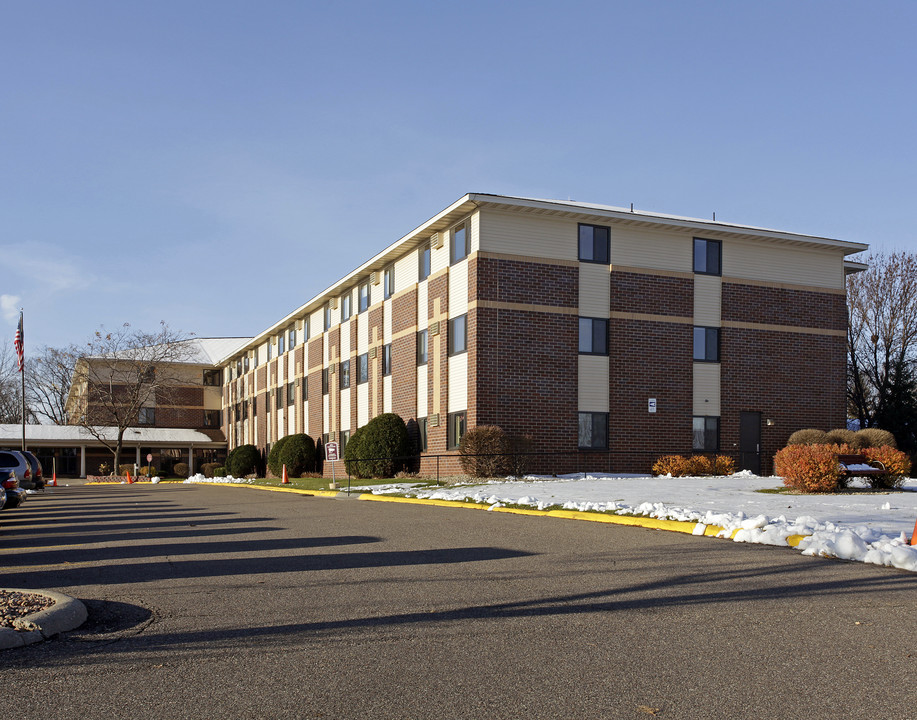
(422, 501)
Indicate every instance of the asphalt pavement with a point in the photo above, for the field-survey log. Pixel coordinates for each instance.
(224, 602)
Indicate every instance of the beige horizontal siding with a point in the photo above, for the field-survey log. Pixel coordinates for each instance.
(532, 236)
(458, 289)
(406, 272)
(780, 263)
(644, 248)
(362, 404)
(592, 383)
(458, 383)
(707, 389)
(594, 290)
(708, 296)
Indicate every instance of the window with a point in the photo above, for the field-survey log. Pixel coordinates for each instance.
(211, 418)
(422, 347)
(292, 334)
(424, 269)
(327, 314)
(238, 370)
(267, 402)
(594, 243)
(345, 374)
(363, 295)
(291, 393)
(326, 381)
(707, 344)
(456, 429)
(146, 416)
(279, 396)
(387, 359)
(346, 307)
(345, 438)
(305, 388)
(245, 363)
(244, 410)
(422, 428)
(388, 282)
(708, 256)
(255, 357)
(280, 347)
(305, 329)
(362, 368)
(460, 243)
(706, 433)
(593, 431)
(593, 336)
(458, 334)
(269, 343)
(214, 377)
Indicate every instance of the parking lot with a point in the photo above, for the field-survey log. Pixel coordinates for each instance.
(227, 602)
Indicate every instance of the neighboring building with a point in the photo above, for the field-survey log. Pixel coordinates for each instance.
(607, 335)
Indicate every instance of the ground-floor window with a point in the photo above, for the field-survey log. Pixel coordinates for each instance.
(593, 431)
(706, 433)
(455, 430)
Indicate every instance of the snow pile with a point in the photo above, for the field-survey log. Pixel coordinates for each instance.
(863, 527)
(199, 478)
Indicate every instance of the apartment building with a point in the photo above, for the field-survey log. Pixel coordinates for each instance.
(607, 335)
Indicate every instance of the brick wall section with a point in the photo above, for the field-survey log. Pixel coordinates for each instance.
(769, 305)
(404, 355)
(653, 294)
(649, 360)
(316, 401)
(438, 288)
(795, 379)
(523, 282)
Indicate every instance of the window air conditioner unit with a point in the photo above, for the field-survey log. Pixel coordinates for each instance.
(331, 369)
(372, 352)
(433, 420)
(434, 327)
(334, 303)
(436, 241)
(375, 277)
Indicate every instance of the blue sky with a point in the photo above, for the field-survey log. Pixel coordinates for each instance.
(216, 164)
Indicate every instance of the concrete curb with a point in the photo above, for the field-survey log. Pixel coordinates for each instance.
(67, 613)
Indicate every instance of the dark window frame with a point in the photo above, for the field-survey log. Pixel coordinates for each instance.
(707, 253)
(281, 344)
(146, 416)
(386, 360)
(423, 340)
(364, 297)
(597, 326)
(465, 229)
(599, 249)
(388, 282)
(710, 344)
(362, 368)
(454, 421)
(304, 394)
(422, 429)
(708, 433)
(326, 381)
(291, 393)
(344, 375)
(598, 440)
(424, 262)
(346, 306)
(463, 319)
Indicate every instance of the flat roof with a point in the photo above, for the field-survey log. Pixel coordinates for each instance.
(11, 436)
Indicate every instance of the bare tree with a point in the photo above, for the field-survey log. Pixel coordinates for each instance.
(11, 387)
(121, 378)
(50, 372)
(882, 345)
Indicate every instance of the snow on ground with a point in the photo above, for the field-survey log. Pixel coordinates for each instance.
(869, 527)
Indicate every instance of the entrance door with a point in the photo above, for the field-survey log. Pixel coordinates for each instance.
(750, 442)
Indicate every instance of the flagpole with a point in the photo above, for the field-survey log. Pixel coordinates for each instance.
(22, 340)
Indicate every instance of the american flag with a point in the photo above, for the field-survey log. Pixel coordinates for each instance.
(18, 344)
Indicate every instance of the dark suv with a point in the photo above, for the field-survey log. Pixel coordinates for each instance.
(19, 465)
(37, 480)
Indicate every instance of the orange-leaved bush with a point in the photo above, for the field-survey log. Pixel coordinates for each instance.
(897, 464)
(810, 468)
(674, 465)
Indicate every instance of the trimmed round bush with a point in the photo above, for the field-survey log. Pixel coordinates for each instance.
(353, 450)
(274, 463)
(673, 465)
(723, 465)
(808, 436)
(218, 471)
(385, 441)
(298, 454)
(809, 468)
(484, 451)
(842, 436)
(244, 460)
(897, 463)
(876, 438)
(700, 465)
(180, 469)
(208, 468)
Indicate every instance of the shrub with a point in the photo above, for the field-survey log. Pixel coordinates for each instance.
(809, 468)
(147, 471)
(274, 463)
(218, 471)
(483, 451)
(808, 436)
(520, 459)
(876, 438)
(723, 465)
(125, 469)
(897, 463)
(385, 442)
(243, 461)
(180, 469)
(104, 469)
(207, 469)
(674, 465)
(298, 454)
(700, 465)
(842, 436)
(353, 450)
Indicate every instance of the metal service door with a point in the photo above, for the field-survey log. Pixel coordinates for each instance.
(750, 442)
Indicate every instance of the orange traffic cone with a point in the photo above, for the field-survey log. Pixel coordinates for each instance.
(285, 480)
(914, 535)
(54, 479)
(129, 481)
